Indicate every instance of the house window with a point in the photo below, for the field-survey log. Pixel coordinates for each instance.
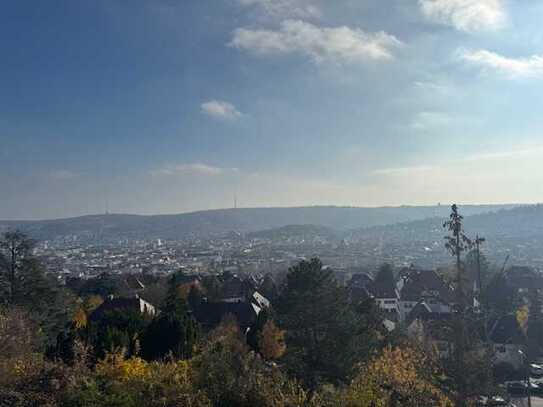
(501, 349)
(390, 302)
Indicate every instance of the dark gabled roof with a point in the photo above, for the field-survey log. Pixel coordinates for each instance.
(232, 288)
(429, 310)
(384, 291)
(361, 280)
(506, 330)
(212, 313)
(133, 284)
(420, 284)
(438, 308)
(523, 277)
(117, 304)
(360, 286)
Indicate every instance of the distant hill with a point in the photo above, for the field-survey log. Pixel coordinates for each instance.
(520, 222)
(297, 232)
(516, 233)
(216, 222)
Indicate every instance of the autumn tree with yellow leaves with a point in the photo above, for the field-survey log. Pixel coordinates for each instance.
(398, 377)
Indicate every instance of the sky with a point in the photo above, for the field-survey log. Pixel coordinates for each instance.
(169, 106)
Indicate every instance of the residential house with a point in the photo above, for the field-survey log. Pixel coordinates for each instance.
(233, 289)
(210, 314)
(421, 285)
(385, 294)
(429, 322)
(259, 300)
(523, 278)
(508, 341)
(135, 304)
(234, 300)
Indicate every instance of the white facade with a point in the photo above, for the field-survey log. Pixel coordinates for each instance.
(388, 305)
(146, 308)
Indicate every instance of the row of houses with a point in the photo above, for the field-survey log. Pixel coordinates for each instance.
(238, 298)
(422, 302)
(398, 297)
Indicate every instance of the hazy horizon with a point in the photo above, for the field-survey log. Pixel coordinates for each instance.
(439, 204)
(162, 106)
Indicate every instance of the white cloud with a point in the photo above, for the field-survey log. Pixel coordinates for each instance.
(404, 170)
(192, 169)
(501, 158)
(284, 8)
(466, 15)
(511, 67)
(432, 88)
(221, 109)
(514, 154)
(429, 119)
(340, 44)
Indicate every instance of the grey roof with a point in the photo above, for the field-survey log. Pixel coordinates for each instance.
(523, 277)
(232, 288)
(135, 304)
(384, 285)
(360, 286)
(429, 310)
(212, 313)
(420, 284)
(361, 280)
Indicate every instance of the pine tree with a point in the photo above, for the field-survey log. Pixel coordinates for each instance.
(118, 330)
(173, 332)
(385, 276)
(326, 336)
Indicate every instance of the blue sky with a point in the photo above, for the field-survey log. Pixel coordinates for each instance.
(163, 106)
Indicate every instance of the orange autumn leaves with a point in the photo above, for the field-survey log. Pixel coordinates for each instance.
(271, 341)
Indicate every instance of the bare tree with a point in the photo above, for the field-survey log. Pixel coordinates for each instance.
(15, 252)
